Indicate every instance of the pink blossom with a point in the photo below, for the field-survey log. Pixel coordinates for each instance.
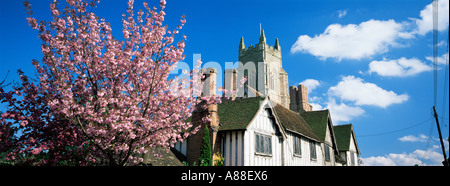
(36, 151)
(106, 97)
(24, 123)
(32, 22)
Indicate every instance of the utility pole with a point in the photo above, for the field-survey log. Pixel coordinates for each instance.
(445, 162)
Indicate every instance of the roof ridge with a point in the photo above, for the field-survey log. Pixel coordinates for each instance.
(324, 110)
(242, 99)
(343, 125)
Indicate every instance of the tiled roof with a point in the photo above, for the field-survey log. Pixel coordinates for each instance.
(318, 121)
(292, 121)
(342, 133)
(237, 115)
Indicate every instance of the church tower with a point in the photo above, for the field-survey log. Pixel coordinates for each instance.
(262, 65)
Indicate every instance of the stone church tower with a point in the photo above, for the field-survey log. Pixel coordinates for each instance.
(262, 65)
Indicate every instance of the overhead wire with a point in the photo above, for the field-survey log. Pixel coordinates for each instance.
(435, 56)
(444, 99)
(435, 51)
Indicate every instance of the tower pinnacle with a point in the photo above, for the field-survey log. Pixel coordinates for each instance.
(262, 38)
(241, 44)
(277, 45)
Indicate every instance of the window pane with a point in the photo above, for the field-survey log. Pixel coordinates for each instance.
(262, 141)
(270, 145)
(295, 145)
(266, 150)
(299, 146)
(313, 149)
(257, 143)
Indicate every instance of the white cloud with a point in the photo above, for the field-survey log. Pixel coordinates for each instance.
(378, 161)
(339, 112)
(351, 41)
(425, 23)
(419, 157)
(440, 60)
(311, 84)
(314, 98)
(432, 155)
(316, 106)
(398, 67)
(344, 99)
(342, 112)
(412, 138)
(354, 89)
(371, 37)
(342, 13)
(442, 43)
(392, 160)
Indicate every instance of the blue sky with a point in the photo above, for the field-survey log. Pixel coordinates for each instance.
(367, 61)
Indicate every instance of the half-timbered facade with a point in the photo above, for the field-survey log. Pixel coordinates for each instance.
(268, 127)
(257, 132)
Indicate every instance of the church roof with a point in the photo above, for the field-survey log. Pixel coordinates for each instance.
(293, 122)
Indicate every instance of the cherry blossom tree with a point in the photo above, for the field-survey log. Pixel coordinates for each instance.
(99, 100)
(40, 129)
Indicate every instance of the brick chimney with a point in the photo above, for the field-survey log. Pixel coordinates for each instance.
(230, 83)
(195, 141)
(209, 87)
(303, 95)
(299, 99)
(293, 105)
